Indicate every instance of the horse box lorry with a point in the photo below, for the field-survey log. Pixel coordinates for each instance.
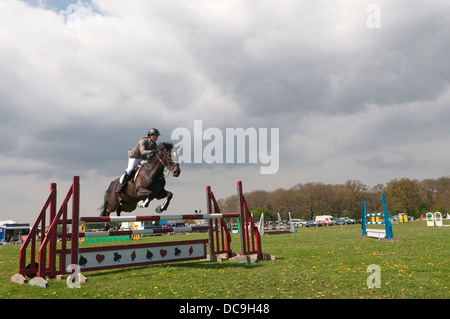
(325, 220)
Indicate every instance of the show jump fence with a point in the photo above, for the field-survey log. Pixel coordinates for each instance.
(435, 219)
(281, 227)
(377, 233)
(45, 258)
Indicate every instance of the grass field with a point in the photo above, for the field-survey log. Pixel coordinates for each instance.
(314, 263)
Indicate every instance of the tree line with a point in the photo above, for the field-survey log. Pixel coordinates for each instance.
(305, 201)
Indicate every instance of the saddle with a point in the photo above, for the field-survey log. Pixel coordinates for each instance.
(135, 171)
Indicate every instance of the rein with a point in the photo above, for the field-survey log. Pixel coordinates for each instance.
(168, 166)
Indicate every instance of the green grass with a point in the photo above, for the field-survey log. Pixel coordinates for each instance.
(316, 263)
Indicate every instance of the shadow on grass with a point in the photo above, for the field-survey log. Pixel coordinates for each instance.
(199, 265)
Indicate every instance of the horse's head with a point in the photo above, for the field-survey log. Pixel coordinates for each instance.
(168, 156)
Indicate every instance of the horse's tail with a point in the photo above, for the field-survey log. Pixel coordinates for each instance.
(105, 205)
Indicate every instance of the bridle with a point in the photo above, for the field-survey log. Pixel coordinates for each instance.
(170, 165)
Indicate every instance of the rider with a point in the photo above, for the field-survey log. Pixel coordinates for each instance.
(146, 148)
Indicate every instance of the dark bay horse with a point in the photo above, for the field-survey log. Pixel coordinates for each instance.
(148, 185)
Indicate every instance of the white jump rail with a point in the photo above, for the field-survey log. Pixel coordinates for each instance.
(121, 219)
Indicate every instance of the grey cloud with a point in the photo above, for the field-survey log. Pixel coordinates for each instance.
(397, 161)
(76, 100)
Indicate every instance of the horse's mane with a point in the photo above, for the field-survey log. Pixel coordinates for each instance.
(165, 145)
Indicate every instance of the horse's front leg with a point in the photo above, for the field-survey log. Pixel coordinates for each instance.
(145, 197)
(165, 205)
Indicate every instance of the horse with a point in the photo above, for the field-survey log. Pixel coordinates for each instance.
(146, 186)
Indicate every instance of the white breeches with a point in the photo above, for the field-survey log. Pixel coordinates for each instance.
(132, 162)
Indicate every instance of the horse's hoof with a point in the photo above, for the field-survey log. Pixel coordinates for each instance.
(158, 210)
(140, 204)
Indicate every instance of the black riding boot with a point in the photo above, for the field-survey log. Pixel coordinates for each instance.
(125, 181)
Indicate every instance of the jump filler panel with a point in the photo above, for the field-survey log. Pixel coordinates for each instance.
(93, 258)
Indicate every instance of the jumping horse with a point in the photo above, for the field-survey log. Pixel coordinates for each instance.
(147, 185)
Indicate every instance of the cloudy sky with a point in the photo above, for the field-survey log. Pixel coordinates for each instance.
(82, 82)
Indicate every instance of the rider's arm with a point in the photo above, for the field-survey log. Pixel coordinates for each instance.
(143, 147)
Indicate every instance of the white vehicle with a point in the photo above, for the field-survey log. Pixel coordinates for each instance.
(297, 222)
(350, 221)
(325, 220)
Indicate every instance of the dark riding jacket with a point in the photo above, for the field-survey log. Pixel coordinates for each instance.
(144, 147)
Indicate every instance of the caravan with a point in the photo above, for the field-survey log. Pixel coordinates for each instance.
(325, 220)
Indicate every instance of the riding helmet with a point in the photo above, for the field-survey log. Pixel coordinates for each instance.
(153, 131)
